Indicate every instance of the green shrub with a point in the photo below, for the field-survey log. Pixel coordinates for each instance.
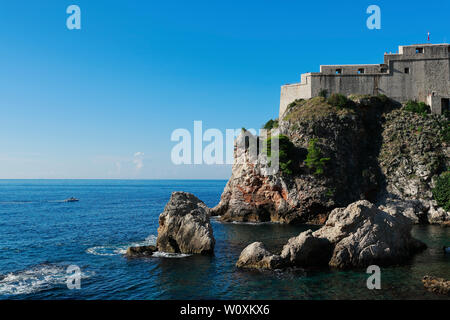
(286, 151)
(383, 98)
(314, 159)
(271, 124)
(323, 93)
(338, 100)
(445, 132)
(330, 192)
(294, 103)
(441, 192)
(417, 107)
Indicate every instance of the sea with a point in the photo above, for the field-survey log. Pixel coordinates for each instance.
(42, 238)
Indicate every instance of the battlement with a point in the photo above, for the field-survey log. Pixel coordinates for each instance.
(417, 72)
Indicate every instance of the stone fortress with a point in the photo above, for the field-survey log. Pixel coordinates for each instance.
(416, 72)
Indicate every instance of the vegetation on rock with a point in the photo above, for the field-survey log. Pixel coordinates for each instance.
(313, 109)
(441, 192)
(271, 124)
(314, 159)
(323, 93)
(417, 107)
(339, 101)
(286, 152)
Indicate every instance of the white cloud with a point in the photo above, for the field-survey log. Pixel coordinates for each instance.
(139, 160)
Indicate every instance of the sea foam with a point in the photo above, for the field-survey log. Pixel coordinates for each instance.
(35, 279)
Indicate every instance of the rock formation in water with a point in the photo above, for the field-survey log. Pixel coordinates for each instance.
(256, 256)
(356, 236)
(184, 226)
(436, 285)
(368, 149)
(140, 251)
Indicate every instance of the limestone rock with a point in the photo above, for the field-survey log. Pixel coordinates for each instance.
(415, 210)
(307, 250)
(413, 153)
(353, 237)
(437, 215)
(375, 147)
(256, 256)
(436, 285)
(365, 235)
(184, 226)
(141, 251)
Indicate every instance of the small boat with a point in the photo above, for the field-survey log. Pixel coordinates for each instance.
(446, 249)
(72, 199)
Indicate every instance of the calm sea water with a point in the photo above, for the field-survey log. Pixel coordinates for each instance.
(40, 236)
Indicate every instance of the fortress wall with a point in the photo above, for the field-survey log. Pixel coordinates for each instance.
(438, 73)
(417, 72)
(345, 84)
(351, 69)
(292, 92)
(403, 86)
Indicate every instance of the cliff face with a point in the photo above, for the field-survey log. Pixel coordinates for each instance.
(413, 153)
(371, 149)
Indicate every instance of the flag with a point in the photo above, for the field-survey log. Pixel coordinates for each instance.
(428, 36)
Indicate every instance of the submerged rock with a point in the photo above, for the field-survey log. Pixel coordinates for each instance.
(356, 236)
(141, 251)
(436, 285)
(184, 226)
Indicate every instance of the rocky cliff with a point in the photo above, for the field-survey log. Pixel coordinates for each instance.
(339, 152)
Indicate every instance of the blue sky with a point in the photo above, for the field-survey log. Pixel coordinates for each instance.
(83, 103)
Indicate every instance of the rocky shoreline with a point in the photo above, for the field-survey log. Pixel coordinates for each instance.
(353, 237)
(365, 172)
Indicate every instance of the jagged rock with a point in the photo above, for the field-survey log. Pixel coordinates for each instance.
(356, 236)
(256, 256)
(141, 251)
(436, 285)
(250, 194)
(415, 210)
(365, 235)
(437, 215)
(307, 250)
(184, 226)
(413, 153)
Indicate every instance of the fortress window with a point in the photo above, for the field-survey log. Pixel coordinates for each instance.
(419, 50)
(361, 71)
(406, 70)
(338, 71)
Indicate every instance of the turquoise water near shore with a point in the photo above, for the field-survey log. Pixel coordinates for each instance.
(40, 236)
